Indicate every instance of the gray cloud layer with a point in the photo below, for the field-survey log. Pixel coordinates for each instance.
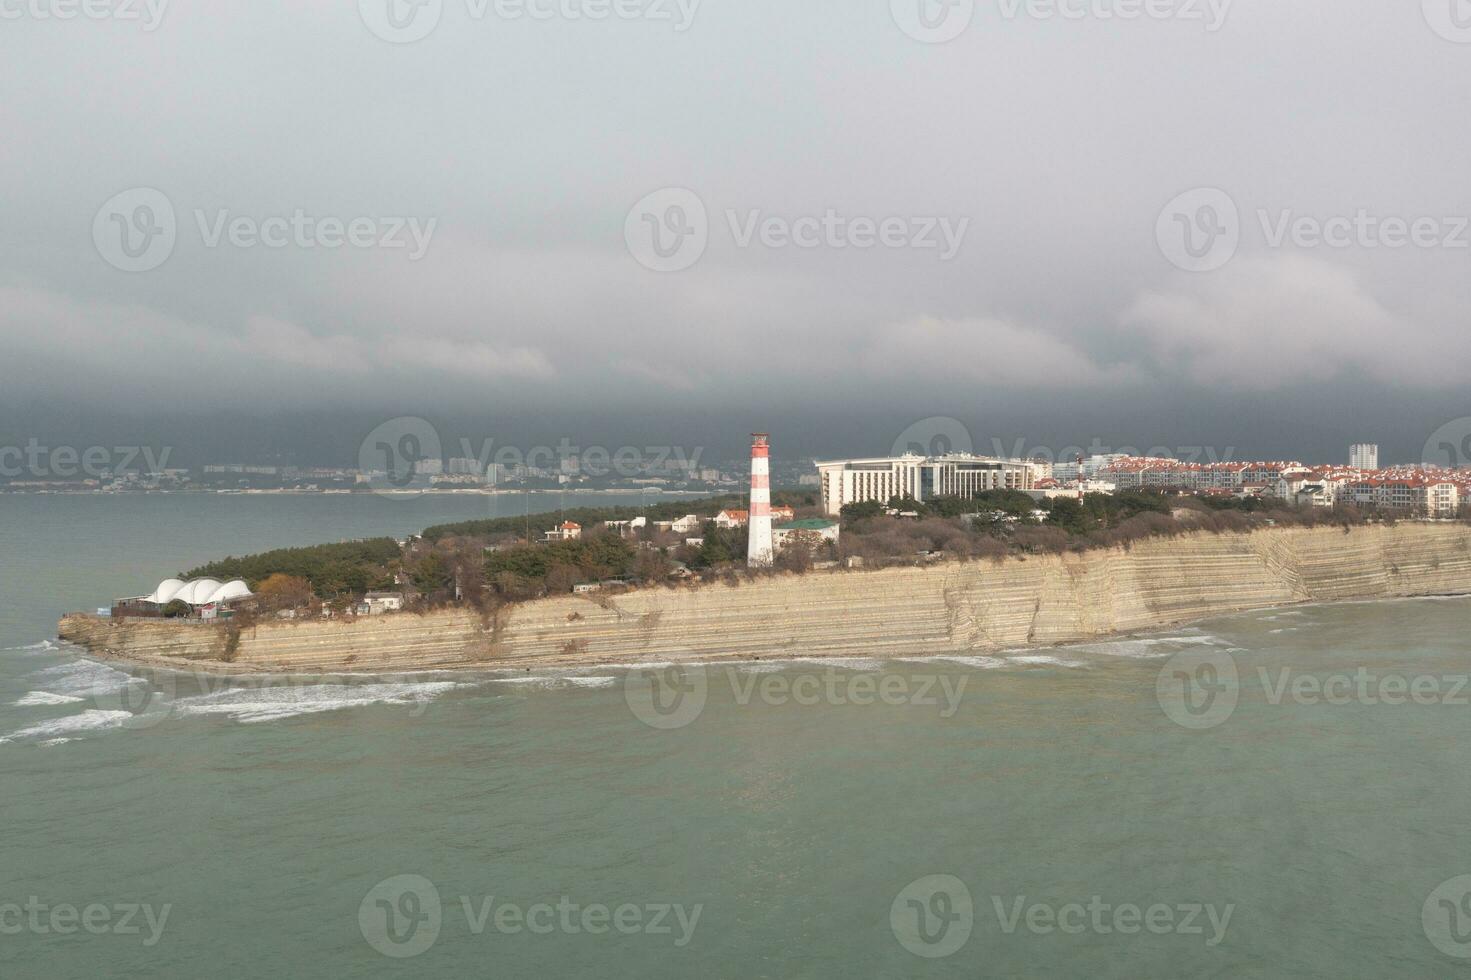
(1058, 140)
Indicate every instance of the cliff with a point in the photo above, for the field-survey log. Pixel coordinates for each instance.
(945, 608)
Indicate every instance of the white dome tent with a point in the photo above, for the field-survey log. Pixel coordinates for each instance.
(204, 596)
(198, 592)
(166, 591)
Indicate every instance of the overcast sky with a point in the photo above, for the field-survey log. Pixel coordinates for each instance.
(1054, 228)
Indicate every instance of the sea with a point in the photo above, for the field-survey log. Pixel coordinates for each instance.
(1279, 793)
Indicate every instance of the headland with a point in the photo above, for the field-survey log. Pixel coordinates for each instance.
(949, 607)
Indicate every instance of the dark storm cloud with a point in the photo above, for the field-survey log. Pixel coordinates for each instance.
(362, 227)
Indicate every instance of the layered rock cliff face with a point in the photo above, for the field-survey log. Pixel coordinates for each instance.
(944, 608)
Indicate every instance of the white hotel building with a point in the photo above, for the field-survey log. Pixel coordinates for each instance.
(854, 481)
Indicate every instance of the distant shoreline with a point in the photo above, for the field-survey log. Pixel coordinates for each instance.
(497, 492)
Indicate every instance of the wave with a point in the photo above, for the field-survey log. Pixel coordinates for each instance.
(87, 721)
(846, 663)
(592, 681)
(34, 698)
(41, 647)
(83, 678)
(1147, 647)
(978, 662)
(1040, 660)
(557, 682)
(1187, 639)
(249, 705)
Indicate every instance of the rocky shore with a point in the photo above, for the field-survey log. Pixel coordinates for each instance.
(941, 609)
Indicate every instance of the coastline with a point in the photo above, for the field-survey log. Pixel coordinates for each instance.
(946, 609)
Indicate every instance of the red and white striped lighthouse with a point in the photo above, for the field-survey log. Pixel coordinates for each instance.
(759, 552)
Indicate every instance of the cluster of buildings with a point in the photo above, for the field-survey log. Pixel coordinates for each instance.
(1418, 490)
(784, 526)
(769, 528)
(1415, 490)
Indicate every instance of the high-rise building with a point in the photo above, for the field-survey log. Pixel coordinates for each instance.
(1363, 456)
(759, 552)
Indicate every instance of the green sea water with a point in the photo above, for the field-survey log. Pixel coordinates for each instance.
(1274, 794)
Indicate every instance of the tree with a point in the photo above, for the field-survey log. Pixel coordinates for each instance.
(431, 575)
(561, 578)
(469, 575)
(177, 609)
(651, 566)
(860, 511)
(1069, 515)
(330, 568)
(282, 591)
(716, 550)
(798, 551)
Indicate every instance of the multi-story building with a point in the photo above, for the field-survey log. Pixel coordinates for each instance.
(1423, 496)
(1146, 472)
(1041, 469)
(1363, 456)
(854, 481)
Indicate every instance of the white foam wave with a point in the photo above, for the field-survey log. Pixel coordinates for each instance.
(1199, 639)
(248, 705)
(1147, 647)
(35, 698)
(41, 647)
(1287, 614)
(87, 721)
(592, 681)
(84, 678)
(1041, 661)
(980, 663)
(556, 683)
(846, 663)
(1124, 649)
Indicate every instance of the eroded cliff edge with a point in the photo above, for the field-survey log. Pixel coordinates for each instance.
(944, 608)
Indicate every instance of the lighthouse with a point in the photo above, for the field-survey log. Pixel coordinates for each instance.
(759, 553)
